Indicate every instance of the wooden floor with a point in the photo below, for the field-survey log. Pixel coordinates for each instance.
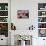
(3, 45)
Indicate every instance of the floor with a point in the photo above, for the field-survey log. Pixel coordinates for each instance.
(3, 45)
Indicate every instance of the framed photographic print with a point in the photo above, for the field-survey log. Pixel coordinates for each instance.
(22, 14)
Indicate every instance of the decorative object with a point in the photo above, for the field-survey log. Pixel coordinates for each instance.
(41, 6)
(42, 32)
(4, 26)
(43, 25)
(3, 13)
(43, 13)
(31, 27)
(3, 6)
(4, 29)
(3, 19)
(41, 19)
(13, 27)
(22, 14)
(6, 7)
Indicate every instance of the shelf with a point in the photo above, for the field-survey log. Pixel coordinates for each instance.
(41, 22)
(3, 16)
(4, 19)
(41, 10)
(42, 16)
(3, 22)
(3, 10)
(42, 37)
(42, 19)
(41, 28)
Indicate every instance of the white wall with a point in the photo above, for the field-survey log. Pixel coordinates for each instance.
(23, 24)
(32, 6)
